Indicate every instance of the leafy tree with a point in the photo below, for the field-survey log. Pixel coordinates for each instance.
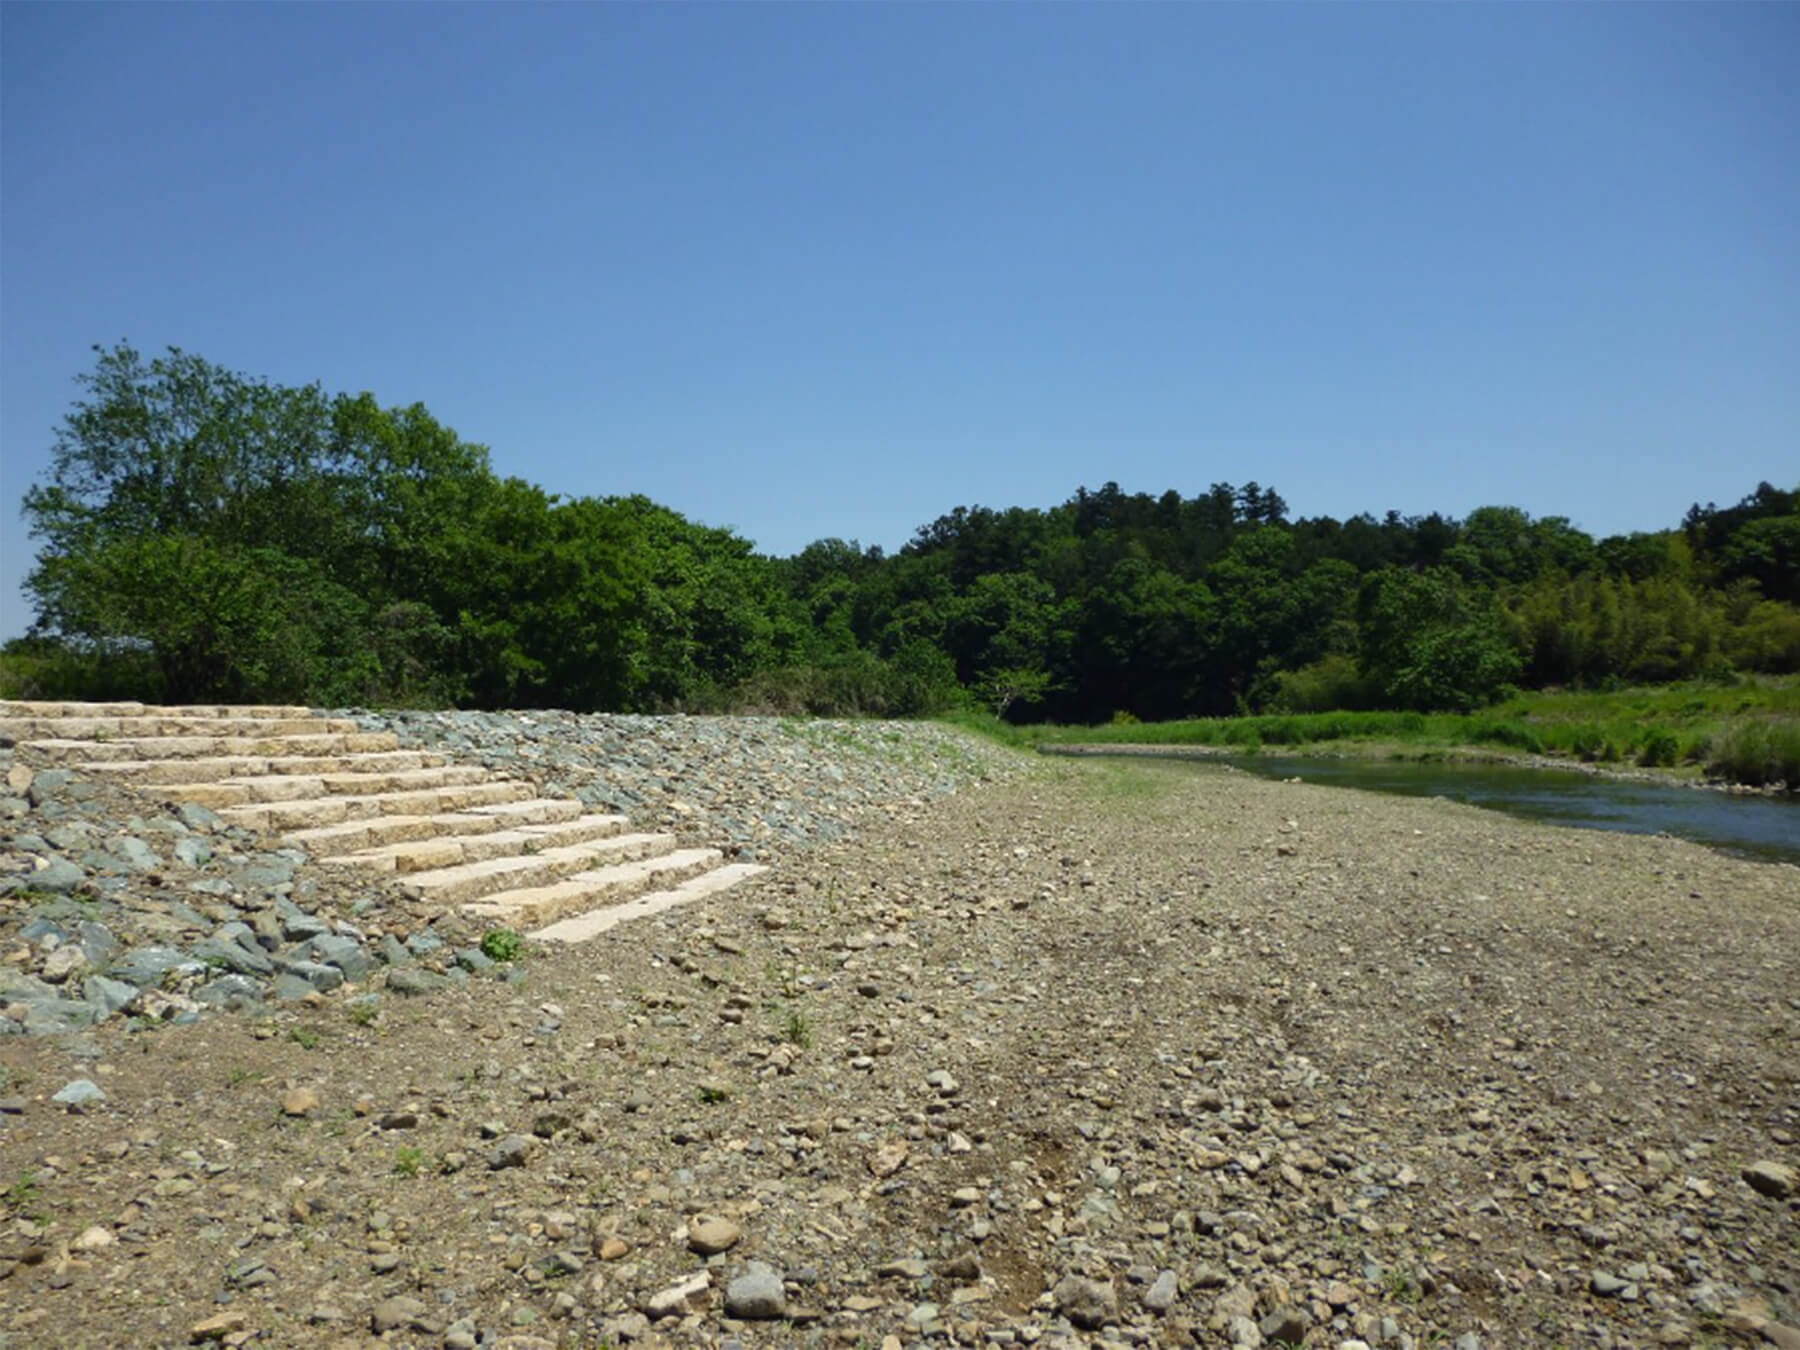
(224, 623)
(247, 533)
(1008, 686)
(1766, 551)
(1429, 642)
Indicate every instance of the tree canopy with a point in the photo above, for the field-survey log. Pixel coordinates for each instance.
(210, 535)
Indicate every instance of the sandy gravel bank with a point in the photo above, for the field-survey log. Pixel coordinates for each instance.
(1134, 1053)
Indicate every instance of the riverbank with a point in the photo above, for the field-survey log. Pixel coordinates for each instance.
(1082, 1054)
(1410, 753)
(1739, 734)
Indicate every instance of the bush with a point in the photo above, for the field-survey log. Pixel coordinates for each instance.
(502, 944)
(50, 668)
(1661, 749)
(1327, 685)
(1760, 752)
(917, 681)
(1516, 735)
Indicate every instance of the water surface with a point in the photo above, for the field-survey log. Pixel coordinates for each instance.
(1766, 828)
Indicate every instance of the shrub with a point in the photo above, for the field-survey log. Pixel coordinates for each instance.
(1329, 684)
(1760, 752)
(502, 944)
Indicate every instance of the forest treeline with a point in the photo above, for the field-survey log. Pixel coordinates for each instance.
(207, 536)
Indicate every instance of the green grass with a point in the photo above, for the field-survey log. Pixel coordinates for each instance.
(796, 1028)
(408, 1160)
(23, 1193)
(1744, 731)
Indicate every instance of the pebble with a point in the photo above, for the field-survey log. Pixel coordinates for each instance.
(300, 1101)
(397, 1314)
(1286, 1326)
(93, 1239)
(1089, 1304)
(1161, 1294)
(1607, 1285)
(79, 1095)
(1775, 1180)
(710, 1236)
(682, 1297)
(757, 1294)
(218, 1326)
(514, 1150)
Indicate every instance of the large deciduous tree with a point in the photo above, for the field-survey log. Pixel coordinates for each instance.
(1429, 642)
(260, 540)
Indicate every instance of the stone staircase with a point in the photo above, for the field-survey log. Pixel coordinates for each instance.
(457, 835)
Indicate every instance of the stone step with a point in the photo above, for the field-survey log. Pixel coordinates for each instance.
(450, 850)
(455, 834)
(147, 725)
(353, 836)
(581, 927)
(474, 880)
(218, 770)
(313, 811)
(37, 708)
(197, 747)
(534, 906)
(298, 787)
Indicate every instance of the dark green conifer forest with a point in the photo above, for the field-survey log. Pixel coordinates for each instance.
(207, 536)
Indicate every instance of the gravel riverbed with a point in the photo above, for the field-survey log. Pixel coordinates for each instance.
(1000, 1052)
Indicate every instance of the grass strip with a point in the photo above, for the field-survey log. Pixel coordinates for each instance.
(1746, 731)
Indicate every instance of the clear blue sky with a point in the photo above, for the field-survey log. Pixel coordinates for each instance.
(834, 269)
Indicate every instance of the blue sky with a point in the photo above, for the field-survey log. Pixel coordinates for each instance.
(834, 269)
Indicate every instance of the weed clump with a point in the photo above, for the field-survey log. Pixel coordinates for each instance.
(502, 944)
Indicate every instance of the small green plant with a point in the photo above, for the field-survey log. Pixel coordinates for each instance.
(23, 1193)
(240, 1075)
(796, 1029)
(502, 944)
(304, 1037)
(408, 1160)
(363, 1012)
(1400, 1287)
(711, 1094)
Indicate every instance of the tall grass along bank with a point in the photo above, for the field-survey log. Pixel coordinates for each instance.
(1743, 732)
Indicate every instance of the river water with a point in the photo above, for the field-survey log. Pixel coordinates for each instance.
(1766, 828)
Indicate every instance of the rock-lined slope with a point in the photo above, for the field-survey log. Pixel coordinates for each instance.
(157, 862)
(460, 835)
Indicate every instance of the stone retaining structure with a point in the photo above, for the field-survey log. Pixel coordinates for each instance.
(458, 835)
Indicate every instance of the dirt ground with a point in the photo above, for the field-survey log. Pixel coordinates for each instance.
(1135, 1053)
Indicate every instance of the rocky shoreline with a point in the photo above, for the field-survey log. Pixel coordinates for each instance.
(1002, 1052)
(759, 787)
